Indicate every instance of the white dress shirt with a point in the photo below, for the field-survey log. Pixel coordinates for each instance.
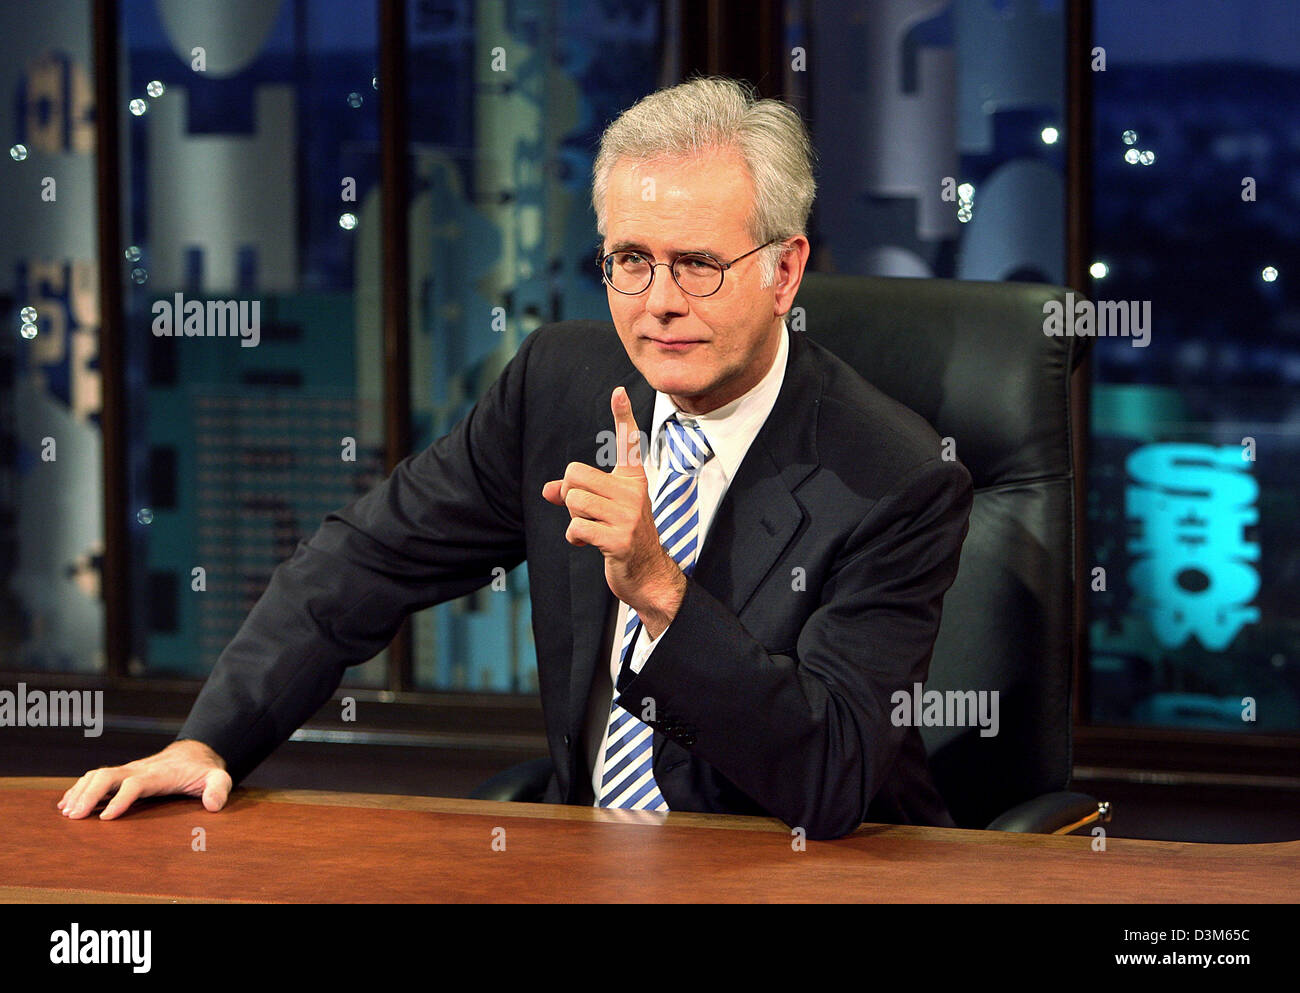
(730, 431)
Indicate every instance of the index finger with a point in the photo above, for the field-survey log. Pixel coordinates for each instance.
(95, 785)
(627, 435)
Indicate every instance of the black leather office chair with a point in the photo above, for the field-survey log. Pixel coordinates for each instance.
(973, 360)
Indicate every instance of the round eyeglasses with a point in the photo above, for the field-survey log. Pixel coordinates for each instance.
(698, 275)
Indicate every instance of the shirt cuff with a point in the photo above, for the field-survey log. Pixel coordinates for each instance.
(644, 646)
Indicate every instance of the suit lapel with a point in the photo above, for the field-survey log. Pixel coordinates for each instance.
(759, 515)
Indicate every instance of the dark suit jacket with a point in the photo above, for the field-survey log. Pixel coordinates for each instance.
(816, 595)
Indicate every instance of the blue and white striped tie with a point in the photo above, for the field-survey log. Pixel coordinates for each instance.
(628, 780)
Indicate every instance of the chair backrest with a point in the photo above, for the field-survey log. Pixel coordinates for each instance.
(973, 360)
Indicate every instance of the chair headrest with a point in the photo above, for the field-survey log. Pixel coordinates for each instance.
(972, 358)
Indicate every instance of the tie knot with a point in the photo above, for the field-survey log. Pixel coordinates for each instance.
(685, 446)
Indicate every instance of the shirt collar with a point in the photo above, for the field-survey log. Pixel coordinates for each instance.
(732, 427)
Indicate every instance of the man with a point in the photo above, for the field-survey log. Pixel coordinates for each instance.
(721, 617)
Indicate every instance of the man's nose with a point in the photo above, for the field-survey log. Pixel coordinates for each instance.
(664, 296)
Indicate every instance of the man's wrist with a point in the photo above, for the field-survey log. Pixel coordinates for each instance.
(196, 748)
(663, 601)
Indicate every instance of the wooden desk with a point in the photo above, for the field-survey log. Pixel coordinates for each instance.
(303, 846)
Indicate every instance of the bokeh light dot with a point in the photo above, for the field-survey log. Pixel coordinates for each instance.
(18, 152)
(28, 314)
(1049, 136)
(28, 331)
(155, 88)
(1130, 137)
(139, 275)
(1269, 274)
(354, 100)
(137, 107)
(132, 253)
(144, 515)
(1147, 157)
(1099, 270)
(1132, 156)
(347, 221)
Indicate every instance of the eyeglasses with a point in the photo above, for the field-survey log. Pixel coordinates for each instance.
(698, 275)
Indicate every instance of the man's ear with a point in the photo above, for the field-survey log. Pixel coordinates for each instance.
(789, 273)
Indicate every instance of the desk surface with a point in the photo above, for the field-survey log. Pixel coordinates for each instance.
(306, 846)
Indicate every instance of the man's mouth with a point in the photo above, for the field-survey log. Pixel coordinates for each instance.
(674, 344)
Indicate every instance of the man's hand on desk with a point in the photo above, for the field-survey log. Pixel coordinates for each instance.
(185, 767)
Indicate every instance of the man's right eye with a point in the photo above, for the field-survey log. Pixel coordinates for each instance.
(629, 259)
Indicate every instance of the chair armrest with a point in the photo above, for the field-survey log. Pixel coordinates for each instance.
(1052, 813)
(525, 782)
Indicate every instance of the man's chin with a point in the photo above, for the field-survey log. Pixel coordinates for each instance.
(680, 393)
(664, 381)
(671, 376)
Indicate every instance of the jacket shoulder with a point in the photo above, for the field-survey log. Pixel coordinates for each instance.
(867, 433)
(562, 364)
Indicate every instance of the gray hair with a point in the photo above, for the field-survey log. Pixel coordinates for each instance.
(713, 112)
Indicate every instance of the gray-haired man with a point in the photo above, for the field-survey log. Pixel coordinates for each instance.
(720, 625)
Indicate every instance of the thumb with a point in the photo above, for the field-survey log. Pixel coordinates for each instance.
(216, 790)
(553, 492)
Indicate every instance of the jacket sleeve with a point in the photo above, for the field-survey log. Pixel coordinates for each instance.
(808, 735)
(434, 530)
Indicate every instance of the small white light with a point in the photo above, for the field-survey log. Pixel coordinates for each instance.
(1050, 136)
(1269, 274)
(347, 221)
(965, 191)
(1099, 270)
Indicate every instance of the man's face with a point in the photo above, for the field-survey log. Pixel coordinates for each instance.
(704, 352)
